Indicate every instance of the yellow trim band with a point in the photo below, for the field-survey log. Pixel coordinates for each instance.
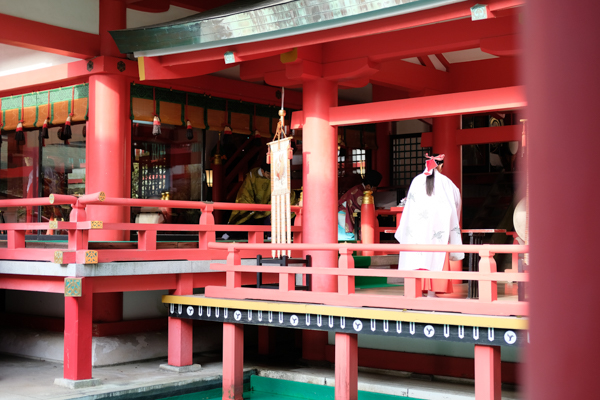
(141, 68)
(353, 312)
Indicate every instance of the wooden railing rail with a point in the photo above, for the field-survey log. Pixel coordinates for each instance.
(488, 278)
(79, 225)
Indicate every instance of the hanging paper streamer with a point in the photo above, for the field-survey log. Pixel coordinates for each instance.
(281, 231)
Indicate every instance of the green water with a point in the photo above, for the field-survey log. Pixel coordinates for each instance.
(268, 388)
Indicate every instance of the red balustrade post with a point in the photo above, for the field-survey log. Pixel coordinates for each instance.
(207, 219)
(412, 288)
(146, 240)
(181, 330)
(233, 279)
(78, 239)
(287, 282)
(346, 366)
(488, 290)
(346, 261)
(488, 385)
(368, 219)
(15, 239)
(233, 361)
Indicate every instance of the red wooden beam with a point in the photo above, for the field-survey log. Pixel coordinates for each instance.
(151, 68)
(408, 76)
(508, 98)
(421, 41)
(47, 284)
(78, 70)
(49, 38)
(485, 74)
(497, 134)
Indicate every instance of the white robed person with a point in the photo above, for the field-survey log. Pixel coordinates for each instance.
(430, 216)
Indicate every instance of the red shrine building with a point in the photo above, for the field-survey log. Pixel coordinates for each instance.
(128, 127)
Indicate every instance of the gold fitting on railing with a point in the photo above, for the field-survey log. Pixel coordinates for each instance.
(58, 257)
(91, 257)
(53, 224)
(102, 196)
(51, 198)
(368, 197)
(97, 224)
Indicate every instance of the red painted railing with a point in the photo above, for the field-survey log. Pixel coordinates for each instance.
(487, 304)
(79, 226)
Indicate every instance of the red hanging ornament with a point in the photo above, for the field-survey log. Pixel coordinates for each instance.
(189, 131)
(156, 126)
(19, 136)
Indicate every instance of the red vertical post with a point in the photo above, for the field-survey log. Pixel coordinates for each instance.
(109, 128)
(346, 366)
(233, 361)
(319, 175)
(562, 95)
(181, 330)
(368, 222)
(346, 261)
(207, 218)
(488, 385)
(319, 180)
(444, 142)
(264, 336)
(78, 334)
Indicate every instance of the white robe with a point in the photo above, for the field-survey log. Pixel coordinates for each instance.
(429, 220)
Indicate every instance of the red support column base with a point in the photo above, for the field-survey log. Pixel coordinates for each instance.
(233, 361)
(487, 373)
(346, 366)
(78, 334)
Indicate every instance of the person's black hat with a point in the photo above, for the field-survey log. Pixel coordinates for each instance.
(372, 178)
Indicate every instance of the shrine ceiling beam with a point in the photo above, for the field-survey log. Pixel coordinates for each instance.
(485, 74)
(424, 19)
(412, 77)
(151, 69)
(233, 89)
(49, 38)
(496, 134)
(57, 74)
(508, 98)
(422, 41)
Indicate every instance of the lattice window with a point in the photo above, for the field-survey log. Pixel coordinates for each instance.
(359, 161)
(407, 158)
(150, 166)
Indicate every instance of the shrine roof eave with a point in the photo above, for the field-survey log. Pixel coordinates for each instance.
(255, 21)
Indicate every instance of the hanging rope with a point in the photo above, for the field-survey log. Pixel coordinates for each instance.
(156, 126)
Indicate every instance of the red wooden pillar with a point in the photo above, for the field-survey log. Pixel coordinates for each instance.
(444, 142)
(109, 128)
(487, 373)
(181, 330)
(78, 334)
(319, 179)
(562, 95)
(233, 361)
(368, 222)
(346, 366)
